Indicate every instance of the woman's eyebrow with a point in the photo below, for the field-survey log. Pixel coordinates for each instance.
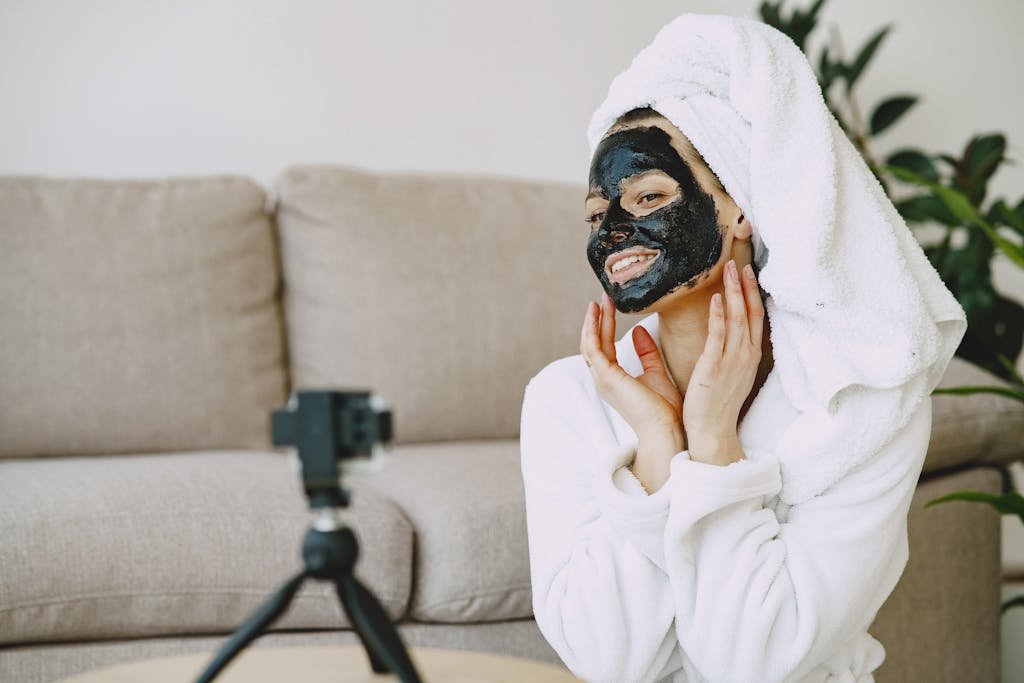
(628, 181)
(637, 177)
(596, 192)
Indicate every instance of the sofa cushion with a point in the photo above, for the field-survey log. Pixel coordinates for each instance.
(973, 428)
(138, 316)
(180, 543)
(466, 503)
(443, 293)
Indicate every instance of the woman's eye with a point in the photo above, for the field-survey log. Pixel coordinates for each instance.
(595, 217)
(652, 195)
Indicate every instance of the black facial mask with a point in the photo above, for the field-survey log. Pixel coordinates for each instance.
(684, 231)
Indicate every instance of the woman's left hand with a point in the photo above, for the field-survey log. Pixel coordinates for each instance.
(726, 369)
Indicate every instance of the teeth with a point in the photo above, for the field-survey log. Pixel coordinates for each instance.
(629, 260)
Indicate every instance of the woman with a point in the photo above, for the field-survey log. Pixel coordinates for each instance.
(662, 546)
(665, 220)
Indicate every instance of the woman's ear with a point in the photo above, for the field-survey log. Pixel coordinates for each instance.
(743, 230)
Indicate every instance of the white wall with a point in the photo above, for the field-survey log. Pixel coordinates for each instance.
(136, 87)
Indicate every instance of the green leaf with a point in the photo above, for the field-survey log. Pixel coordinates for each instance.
(889, 111)
(907, 175)
(1015, 252)
(827, 69)
(1011, 503)
(983, 156)
(797, 26)
(925, 207)
(914, 160)
(1017, 601)
(813, 11)
(1003, 214)
(770, 13)
(854, 71)
(958, 204)
(1010, 368)
(1002, 391)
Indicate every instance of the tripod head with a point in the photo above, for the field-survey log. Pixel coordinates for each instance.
(328, 427)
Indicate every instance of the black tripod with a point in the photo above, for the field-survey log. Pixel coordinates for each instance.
(327, 426)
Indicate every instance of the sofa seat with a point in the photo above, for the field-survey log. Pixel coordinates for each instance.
(176, 543)
(179, 543)
(465, 500)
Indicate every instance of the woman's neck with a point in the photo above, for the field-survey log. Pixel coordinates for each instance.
(683, 333)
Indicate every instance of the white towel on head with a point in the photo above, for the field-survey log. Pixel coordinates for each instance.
(862, 326)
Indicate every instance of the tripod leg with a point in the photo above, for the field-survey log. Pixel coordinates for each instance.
(375, 630)
(251, 629)
(376, 663)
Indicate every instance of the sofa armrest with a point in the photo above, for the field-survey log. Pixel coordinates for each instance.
(973, 429)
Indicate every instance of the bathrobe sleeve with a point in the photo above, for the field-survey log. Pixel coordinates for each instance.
(600, 600)
(763, 596)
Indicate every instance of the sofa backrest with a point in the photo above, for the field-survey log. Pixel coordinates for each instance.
(137, 316)
(443, 293)
(146, 316)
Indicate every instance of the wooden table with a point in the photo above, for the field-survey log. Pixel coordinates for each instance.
(331, 664)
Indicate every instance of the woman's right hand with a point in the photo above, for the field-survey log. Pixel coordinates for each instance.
(650, 402)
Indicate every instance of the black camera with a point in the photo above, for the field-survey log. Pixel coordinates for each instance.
(328, 427)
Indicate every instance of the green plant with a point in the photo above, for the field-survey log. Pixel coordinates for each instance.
(950, 195)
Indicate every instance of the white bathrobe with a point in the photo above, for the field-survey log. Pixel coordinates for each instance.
(713, 577)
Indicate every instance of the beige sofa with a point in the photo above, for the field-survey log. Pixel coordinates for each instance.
(150, 327)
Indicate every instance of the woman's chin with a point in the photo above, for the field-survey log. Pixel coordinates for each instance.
(634, 305)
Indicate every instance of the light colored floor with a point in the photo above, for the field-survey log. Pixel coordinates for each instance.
(1013, 566)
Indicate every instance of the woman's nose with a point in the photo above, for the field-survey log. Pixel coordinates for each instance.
(611, 236)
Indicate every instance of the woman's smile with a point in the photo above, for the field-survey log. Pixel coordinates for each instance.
(625, 266)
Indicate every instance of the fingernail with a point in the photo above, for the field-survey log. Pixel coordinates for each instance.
(732, 270)
(748, 271)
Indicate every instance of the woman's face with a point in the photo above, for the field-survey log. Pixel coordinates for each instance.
(648, 213)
